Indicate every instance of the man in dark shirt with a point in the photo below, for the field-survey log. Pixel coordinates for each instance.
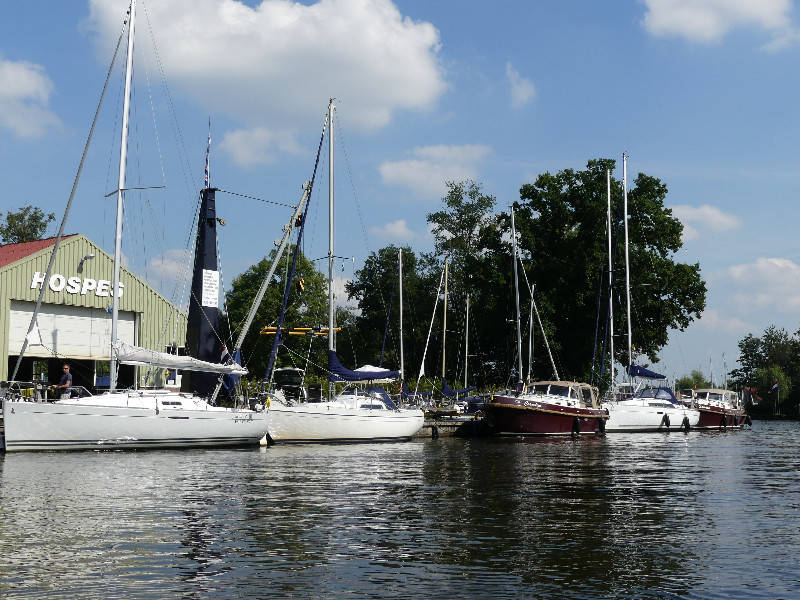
(66, 382)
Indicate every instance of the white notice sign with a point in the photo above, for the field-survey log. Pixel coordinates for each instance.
(210, 288)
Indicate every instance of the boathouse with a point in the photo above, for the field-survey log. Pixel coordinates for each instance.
(74, 323)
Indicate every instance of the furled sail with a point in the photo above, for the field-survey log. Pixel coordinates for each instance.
(339, 372)
(143, 357)
(637, 371)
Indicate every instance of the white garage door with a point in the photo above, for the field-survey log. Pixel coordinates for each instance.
(74, 331)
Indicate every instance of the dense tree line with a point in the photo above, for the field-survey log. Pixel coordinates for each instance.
(772, 358)
(561, 229)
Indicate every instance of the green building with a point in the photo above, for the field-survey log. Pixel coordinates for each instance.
(74, 323)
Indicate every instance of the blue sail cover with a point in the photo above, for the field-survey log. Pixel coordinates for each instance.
(338, 372)
(637, 371)
(449, 392)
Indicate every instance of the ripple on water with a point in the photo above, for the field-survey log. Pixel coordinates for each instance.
(697, 515)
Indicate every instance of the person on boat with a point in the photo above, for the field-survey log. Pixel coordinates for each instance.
(65, 384)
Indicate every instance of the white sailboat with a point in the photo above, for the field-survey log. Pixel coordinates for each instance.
(653, 407)
(356, 414)
(135, 418)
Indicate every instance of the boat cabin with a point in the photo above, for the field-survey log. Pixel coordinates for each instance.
(717, 397)
(574, 393)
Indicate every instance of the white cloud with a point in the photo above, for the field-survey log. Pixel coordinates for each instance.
(431, 166)
(340, 295)
(394, 230)
(275, 64)
(767, 284)
(24, 95)
(708, 21)
(258, 146)
(698, 219)
(713, 320)
(522, 89)
(172, 265)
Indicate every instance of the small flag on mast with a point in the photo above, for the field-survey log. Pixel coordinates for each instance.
(208, 150)
(774, 388)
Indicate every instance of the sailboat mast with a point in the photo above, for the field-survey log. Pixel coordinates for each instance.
(627, 261)
(123, 157)
(402, 361)
(516, 296)
(610, 278)
(466, 344)
(331, 314)
(444, 318)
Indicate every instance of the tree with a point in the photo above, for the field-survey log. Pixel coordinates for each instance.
(562, 223)
(468, 230)
(26, 225)
(307, 307)
(696, 380)
(775, 356)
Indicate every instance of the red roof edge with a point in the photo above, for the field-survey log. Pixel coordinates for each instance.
(10, 253)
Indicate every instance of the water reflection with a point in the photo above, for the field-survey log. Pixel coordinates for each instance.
(646, 516)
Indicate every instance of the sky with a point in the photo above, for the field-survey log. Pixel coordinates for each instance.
(699, 93)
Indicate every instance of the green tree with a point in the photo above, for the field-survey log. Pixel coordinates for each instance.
(307, 307)
(696, 380)
(562, 223)
(375, 288)
(469, 232)
(25, 225)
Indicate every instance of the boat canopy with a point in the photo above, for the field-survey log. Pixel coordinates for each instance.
(144, 357)
(637, 371)
(338, 372)
(449, 392)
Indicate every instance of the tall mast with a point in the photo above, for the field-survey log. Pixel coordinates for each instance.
(444, 318)
(331, 313)
(402, 362)
(123, 157)
(627, 261)
(516, 295)
(466, 344)
(530, 337)
(610, 278)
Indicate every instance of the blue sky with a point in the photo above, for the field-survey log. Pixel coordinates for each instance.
(700, 93)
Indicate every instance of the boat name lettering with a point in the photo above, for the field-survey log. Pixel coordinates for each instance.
(76, 285)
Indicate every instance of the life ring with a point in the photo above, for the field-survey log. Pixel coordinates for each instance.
(664, 422)
(576, 426)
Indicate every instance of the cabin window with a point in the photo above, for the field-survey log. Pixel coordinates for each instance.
(562, 390)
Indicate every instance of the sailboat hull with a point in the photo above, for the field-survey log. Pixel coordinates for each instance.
(637, 415)
(101, 425)
(313, 422)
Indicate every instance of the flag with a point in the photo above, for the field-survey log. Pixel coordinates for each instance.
(774, 388)
(208, 151)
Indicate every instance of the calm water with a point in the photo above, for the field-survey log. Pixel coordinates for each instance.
(703, 515)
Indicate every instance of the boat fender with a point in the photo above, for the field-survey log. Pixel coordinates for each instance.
(601, 427)
(724, 422)
(685, 424)
(434, 432)
(576, 426)
(748, 420)
(664, 421)
(270, 441)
